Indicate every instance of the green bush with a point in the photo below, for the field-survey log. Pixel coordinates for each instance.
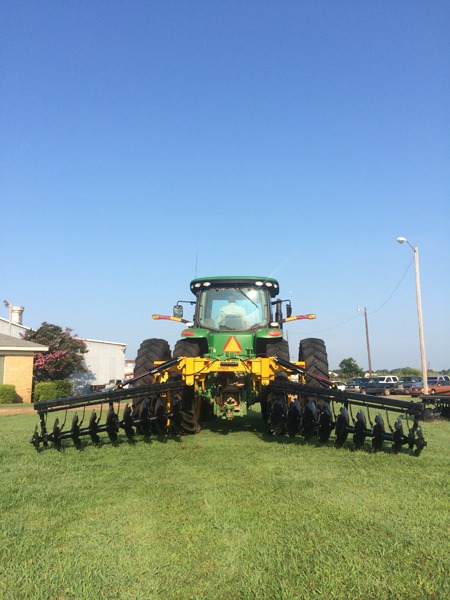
(49, 390)
(7, 393)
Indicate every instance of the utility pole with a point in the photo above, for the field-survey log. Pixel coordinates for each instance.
(367, 339)
(367, 342)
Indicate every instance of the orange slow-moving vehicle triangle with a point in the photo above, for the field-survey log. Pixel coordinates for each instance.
(232, 345)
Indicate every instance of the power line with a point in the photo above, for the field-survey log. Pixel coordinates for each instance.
(373, 311)
(395, 289)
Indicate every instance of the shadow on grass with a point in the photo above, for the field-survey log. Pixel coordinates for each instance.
(254, 424)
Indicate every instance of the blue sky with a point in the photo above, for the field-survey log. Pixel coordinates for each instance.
(146, 143)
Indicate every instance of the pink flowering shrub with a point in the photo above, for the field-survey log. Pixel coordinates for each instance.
(64, 356)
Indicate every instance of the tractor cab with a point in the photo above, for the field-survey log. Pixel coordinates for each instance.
(232, 308)
(235, 304)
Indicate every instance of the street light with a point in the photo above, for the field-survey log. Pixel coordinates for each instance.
(415, 249)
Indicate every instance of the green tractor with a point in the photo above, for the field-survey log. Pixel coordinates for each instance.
(227, 350)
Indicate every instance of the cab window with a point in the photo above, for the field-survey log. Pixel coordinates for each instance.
(234, 309)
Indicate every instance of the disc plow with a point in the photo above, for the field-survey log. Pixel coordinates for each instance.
(170, 406)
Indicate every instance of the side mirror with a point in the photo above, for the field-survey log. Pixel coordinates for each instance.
(178, 311)
(288, 310)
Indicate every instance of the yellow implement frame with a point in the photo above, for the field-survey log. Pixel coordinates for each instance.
(195, 371)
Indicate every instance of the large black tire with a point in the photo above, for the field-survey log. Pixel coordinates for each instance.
(150, 350)
(278, 350)
(185, 348)
(274, 412)
(313, 352)
(187, 415)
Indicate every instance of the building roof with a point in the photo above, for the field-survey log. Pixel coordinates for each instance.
(18, 329)
(13, 344)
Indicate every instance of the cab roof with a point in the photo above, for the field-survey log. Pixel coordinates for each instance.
(240, 281)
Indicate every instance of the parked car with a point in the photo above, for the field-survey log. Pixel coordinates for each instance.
(341, 385)
(437, 387)
(408, 381)
(354, 384)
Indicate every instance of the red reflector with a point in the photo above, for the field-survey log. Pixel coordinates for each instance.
(188, 333)
(275, 333)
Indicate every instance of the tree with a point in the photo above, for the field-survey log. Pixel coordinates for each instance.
(64, 356)
(349, 368)
(406, 372)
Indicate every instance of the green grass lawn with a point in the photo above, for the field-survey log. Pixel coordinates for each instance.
(229, 513)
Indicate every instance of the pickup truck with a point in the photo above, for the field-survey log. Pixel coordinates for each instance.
(386, 385)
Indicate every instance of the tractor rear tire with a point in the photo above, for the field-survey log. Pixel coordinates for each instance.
(191, 407)
(313, 352)
(150, 350)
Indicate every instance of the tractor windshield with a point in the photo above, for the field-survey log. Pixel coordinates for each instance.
(234, 308)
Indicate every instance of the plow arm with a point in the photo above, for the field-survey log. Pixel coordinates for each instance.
(406, 407)
(326, 391)
(115, 395)
(71, 402)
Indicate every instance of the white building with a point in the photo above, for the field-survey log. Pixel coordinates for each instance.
(105, 361)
